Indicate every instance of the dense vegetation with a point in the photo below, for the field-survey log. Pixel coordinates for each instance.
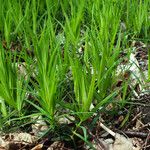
(60, 58)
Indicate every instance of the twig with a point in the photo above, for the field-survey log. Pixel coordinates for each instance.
(144, 126)
(101, 144)
(145, 147)
(140, 104)
(136, 116)
(146, 141)
(136, 134)
(107, 129)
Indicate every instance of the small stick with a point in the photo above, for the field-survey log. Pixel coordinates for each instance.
(144, 126)
(136, 116)
(136, 134)
(147, 139)
(107, 129)
(101, 144)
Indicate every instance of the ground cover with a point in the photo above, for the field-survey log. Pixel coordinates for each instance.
(75, 74)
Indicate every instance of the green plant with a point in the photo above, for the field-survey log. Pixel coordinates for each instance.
(46, 75)
(77, 75)
(13, 85)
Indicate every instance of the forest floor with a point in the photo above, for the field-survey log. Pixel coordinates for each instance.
(132, 121)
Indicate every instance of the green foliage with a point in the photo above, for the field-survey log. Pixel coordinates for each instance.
(13, 85)
(86, 60)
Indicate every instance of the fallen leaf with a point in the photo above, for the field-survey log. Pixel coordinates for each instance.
(2, 142)
(38, 147)
(58, 145)
(24, 138)
(122, 143)
(39, 126)
(137, 143)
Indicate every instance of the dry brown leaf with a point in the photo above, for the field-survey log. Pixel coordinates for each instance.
(2, 148)
(66, 120)
(39, 126)
(138, 124)
(122, 143)
(137, 143)
(56, 146)
(24, 137)
(38, 147)
(2, 142)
